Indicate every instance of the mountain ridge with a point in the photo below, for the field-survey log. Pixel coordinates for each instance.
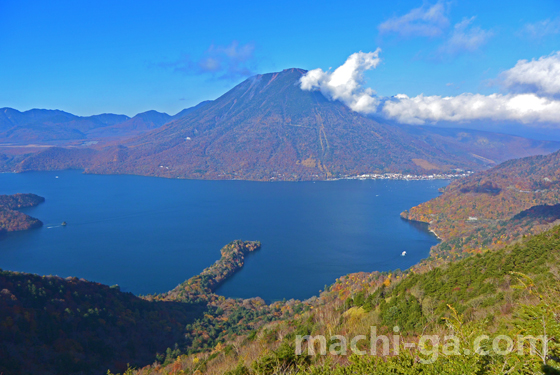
(53, 126)
(494, 207)
(266, 128)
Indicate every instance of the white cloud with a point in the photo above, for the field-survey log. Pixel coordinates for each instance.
(345, 83)
(534, 108)
(431, 21)
(424, 21)
(541, 29)
(225, 62)
(540, 76)
(524, 108)
(465, 38)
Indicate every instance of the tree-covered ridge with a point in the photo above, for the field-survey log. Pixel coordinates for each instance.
(51, 325)
(225, 318)
(492, 208)
(12, 220)
(265, 128)
(16, 201)
(70, 321)
(231, 260)
(514, 290)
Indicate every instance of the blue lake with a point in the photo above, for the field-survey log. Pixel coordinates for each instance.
(149, 234)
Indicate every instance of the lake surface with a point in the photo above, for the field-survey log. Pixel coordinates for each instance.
(150, 234)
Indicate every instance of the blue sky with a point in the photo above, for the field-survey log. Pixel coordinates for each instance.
(132, 56)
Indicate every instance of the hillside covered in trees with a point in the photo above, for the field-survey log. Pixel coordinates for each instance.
(511, 291)
(13, 220)
(495, 207)
(224, 319)
(51, 325)
(266, 128)
(70, 326)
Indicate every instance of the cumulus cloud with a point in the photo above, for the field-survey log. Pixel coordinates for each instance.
(538, 106)
(225, 62)
(540, 76)
(345, 83)
(542, 28)
(424, 21)
(465, 37)
(524, 108)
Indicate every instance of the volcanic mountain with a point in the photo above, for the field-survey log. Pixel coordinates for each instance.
(268, 128)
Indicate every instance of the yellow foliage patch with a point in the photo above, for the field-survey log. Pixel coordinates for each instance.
(425, 164)
(309, 163)
(354, 313)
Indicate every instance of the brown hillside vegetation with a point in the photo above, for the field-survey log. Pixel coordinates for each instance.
(51, 325)
(492, 208)
(12, 220)
(512, 291)
(267, 128)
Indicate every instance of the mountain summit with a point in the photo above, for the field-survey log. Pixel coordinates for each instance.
(268, 128)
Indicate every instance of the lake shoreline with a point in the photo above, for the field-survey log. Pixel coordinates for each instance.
(365, 176)
(150, 234)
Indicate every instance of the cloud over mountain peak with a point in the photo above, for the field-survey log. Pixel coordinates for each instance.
(534, 87)
(345, 83)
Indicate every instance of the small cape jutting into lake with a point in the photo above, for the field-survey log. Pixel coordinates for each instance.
(150, 234)
(233, 258)
(12, 220)
(81, 319)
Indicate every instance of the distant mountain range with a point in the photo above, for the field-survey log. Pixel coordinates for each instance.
(45, 126)
(265, 128)
(488, 147)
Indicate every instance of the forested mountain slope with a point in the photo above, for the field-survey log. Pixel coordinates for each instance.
(55, 127)
(492, 208)
(267, 128)
(13, 220)
(61, 326)
(511, 291)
